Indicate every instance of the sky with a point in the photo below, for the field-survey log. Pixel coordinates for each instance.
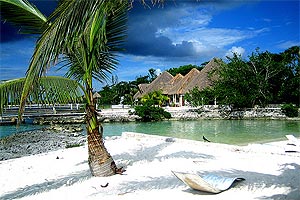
(178, 33)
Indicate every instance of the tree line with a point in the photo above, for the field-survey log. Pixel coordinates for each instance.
(261, 79)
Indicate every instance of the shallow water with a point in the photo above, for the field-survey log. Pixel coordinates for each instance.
(220, 131)
(9, 130)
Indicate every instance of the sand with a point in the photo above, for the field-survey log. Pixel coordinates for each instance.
(270, 172)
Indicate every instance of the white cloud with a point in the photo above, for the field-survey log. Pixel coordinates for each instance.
(157, 71)
(287, 44)
(194, 27)
(235, 50)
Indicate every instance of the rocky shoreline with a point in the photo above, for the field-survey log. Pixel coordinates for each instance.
(41, 141)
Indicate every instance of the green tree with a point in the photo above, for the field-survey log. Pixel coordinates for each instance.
(290, 88)
(154, 98)
(151, 110)
(235, 85)
(266, 70)
(86, 35)
(152, 75)
(198, 97)
(265, 78)
(183, 70)
(124, 90)
(290, 110)
(107, 96)
(151, 113)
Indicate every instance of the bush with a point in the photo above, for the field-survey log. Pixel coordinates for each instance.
(290, 110)
(151, 113)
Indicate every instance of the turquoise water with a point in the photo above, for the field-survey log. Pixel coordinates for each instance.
(220, 131)
(8, 130)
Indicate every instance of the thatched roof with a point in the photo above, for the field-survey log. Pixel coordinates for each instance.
(188, 81)
(205, 78)
(160, 83)
(181, 84)
(142, 90)
(176, 79)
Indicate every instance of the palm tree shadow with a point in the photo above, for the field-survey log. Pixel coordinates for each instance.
(48, 185)
(152, 153)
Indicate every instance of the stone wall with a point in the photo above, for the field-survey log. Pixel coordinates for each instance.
(178, 113)
(225, 112)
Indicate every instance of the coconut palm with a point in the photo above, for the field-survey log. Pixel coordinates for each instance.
(84, 36)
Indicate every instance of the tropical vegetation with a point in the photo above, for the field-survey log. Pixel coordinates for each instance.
(150, 108)
(265, 78)
(290, 110)
(151, 113)
(184, 69)
(123, 92)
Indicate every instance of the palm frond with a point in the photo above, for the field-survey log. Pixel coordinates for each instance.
(75, 26)
(10, 92)
(50, 90)
(24, 15)
(93, 53)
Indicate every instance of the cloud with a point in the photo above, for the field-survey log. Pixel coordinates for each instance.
(157, 71)
(183, 31)
(235, 50)
(145, 36)
(287, 44)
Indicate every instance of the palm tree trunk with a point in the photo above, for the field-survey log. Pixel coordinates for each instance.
(100, 161)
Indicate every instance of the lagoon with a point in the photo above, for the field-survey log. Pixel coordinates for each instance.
(220, 131)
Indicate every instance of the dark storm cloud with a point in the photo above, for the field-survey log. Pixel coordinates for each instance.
(143, 33)
(142, 40)
(10, 33)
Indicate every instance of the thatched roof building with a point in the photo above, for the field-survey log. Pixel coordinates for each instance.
(177, 86)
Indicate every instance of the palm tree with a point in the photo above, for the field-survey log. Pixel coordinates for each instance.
(85, 36)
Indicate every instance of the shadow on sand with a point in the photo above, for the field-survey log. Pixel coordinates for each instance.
(48, 185)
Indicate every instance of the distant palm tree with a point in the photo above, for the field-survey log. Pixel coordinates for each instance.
(85, 36)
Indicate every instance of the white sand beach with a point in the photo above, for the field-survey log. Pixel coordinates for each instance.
(270, 172)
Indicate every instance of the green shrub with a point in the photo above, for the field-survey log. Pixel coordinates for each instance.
(151, 113)
(290, 110)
